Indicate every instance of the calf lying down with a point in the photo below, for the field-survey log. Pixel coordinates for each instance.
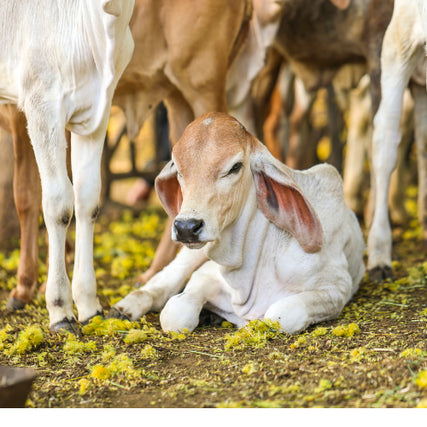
(261, 240)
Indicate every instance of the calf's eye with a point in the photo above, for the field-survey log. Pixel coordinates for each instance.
(235, 169)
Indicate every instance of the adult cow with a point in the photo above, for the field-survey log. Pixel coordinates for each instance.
(60, 63)
(317, 39)
(183, 51)
(182, 54)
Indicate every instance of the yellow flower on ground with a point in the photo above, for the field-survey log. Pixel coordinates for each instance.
(100, 372)
(346, 330)
(84, 386)
(421, 380)
(28, 339)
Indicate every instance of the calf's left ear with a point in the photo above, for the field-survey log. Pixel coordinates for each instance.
(283, 202)
(169, 190)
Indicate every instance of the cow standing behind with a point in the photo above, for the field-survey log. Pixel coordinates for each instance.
(318, 39)
(403, 51)
(60, 63)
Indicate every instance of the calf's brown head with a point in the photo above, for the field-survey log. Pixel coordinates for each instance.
(214, 167)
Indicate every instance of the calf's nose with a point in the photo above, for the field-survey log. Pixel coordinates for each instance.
(188, 231)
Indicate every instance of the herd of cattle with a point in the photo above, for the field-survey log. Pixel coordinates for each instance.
(62, 67)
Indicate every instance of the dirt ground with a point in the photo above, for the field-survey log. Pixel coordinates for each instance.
(374, 355)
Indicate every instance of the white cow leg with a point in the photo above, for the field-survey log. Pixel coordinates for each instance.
(296, 312)
(47, 134)
(396, 72)
(86, 158)
(206, 286)
(384, 158)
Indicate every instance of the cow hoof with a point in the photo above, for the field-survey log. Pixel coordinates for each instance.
(66, 326)
(88, 320)
(15, 304)
(115, 313)
(380, 273)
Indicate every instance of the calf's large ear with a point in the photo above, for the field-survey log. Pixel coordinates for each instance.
(283, 202)
(169, 190)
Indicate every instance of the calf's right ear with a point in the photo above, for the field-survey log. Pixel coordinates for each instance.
(169, 190)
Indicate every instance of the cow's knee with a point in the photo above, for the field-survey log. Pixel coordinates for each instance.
(58, 202)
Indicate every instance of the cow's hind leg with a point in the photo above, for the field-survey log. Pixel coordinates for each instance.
(46, 129)
(397, 66)
(27, 195)
(180, 115)
(324, 301)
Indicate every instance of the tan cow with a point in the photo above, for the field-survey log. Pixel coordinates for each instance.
(182, 54)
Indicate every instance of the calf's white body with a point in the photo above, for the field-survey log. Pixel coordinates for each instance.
(296, 260)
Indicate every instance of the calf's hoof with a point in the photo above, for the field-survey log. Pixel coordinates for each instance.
(65, 326)
(380, 273)
(15, 304)
(115, 313)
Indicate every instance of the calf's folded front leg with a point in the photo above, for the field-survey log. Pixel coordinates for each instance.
(207, 287)
(155, 293)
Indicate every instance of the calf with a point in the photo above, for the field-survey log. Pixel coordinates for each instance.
(60, 63)
(261, 240)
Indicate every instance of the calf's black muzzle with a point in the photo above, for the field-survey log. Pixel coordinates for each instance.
(188, 231)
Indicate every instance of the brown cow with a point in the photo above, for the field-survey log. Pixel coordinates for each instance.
(182, 53)
(27, 195)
